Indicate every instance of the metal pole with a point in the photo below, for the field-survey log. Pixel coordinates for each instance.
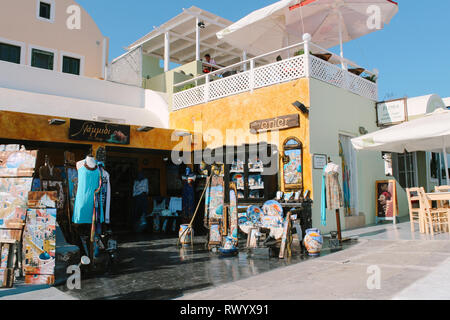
(197, 40)
(166, 51)
(446, 164)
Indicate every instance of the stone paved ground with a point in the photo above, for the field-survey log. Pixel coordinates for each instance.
(410, 269)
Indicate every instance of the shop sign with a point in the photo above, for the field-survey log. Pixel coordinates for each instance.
(320, 161)
(99, 132)
(278, 123)
(392, 112)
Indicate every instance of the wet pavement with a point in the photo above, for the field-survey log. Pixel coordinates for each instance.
(155, 269)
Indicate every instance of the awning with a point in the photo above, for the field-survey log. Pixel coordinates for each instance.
(182, 31)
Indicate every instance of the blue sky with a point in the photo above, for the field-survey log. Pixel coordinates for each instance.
(412, 53)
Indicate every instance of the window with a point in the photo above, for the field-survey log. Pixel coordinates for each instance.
(10, 53)
(71, 65)
(42, 59)
(406, 170)
(45, 10)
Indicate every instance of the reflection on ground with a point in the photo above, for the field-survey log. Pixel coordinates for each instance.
(155, 269)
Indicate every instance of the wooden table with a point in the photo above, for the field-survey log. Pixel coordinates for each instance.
(439, 196)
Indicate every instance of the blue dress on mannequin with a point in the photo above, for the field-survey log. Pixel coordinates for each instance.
(88, 184)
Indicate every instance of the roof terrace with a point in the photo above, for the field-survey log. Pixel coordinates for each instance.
(304, 60)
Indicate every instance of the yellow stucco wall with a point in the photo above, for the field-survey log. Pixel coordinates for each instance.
(23, 126)
(87, 42)
(237, 112)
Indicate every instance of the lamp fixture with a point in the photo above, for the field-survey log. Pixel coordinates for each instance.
(201, 25)
(145, 129)
(182, 133)
(301, 107)
(56, 122)
(363, 131)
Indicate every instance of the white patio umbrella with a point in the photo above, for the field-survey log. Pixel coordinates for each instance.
(429, 133)
(330, 22)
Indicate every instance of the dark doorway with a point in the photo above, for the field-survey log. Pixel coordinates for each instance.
(122, 172)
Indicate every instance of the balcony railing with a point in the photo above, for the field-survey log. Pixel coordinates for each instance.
(248, 75)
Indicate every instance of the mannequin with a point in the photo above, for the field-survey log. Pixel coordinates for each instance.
(332, 194)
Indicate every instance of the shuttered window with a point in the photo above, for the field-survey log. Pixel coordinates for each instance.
(42, 59)
(71, 65)
(10, 53)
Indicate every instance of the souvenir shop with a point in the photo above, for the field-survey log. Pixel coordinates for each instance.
(117, 182)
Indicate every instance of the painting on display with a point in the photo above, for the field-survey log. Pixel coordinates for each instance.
(39, 242)
(386, 200)
(292, 164)
(17, 163)
(215, 199)
(215, 236)
(13, 201)
(233, 211)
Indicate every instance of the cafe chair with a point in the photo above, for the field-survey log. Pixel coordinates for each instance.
(436, 219)
(416, 214)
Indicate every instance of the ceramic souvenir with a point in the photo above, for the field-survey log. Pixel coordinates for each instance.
(185, 236)
(313, 242)
(254, 214)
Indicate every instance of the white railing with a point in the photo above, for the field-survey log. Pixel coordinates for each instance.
(246, 76)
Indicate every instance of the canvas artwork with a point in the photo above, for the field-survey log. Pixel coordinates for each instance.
(55, 186)
(42, 199)
(13, 201)
(72, 182)
(39, 242)
(234, 225)
(214, 234)
(17, 163)
(293, 169)
(215, 199)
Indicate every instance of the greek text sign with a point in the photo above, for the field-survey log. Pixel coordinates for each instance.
(99, 131)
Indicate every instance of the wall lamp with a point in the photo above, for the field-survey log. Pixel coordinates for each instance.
(201, 25)
(182, 133)
(145, 129)
(363, 131)
(56, 122)
(301, 107)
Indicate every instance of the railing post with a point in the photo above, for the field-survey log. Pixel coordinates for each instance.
(207, 88)
(306, 48)
(252, 75)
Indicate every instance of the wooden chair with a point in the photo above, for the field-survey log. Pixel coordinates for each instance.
(436, 219)
(416, 215)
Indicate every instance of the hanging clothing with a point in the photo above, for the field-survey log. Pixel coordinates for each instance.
(323, 204)
(335, 199)
(105, 195)
(188, 195)
(88, 183)
(140, 187)
(140, 195)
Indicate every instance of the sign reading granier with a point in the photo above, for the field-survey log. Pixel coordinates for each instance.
(279, 123)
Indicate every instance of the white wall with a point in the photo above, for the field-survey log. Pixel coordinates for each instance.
(127, 69)
(336, 111)
(26, 78)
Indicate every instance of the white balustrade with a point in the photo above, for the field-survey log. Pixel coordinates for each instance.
(302, 66)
